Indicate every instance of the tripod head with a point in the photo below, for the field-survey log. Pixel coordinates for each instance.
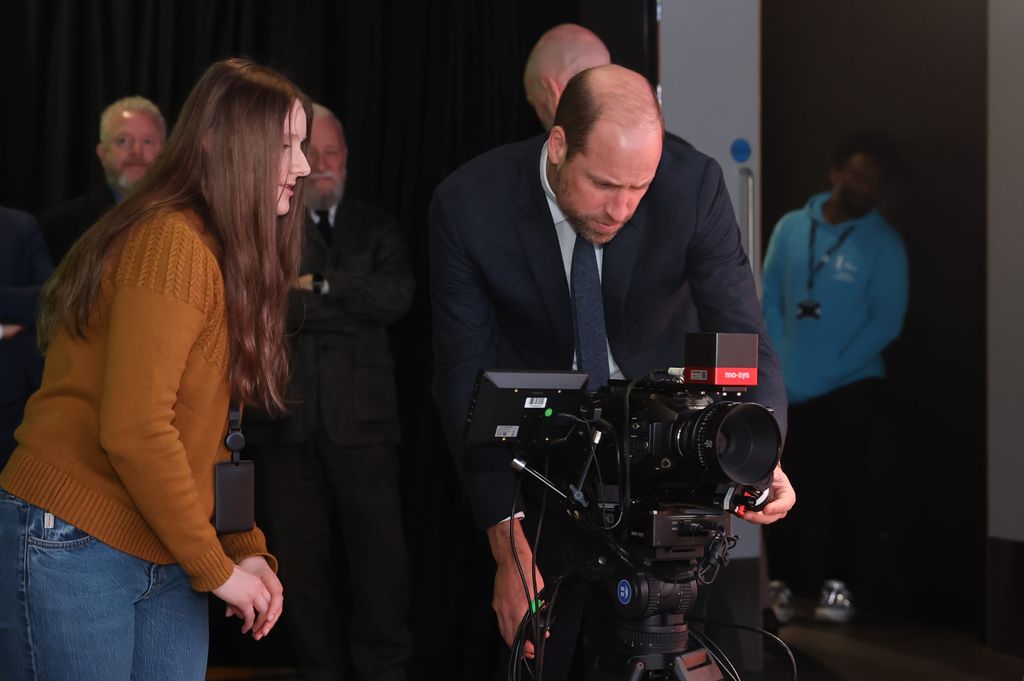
(653, 588)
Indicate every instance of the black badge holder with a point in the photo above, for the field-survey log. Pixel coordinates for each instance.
(235, 481)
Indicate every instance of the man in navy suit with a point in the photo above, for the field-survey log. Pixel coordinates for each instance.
(24, 266)
(505, 232)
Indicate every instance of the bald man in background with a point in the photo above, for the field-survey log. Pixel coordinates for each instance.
(509, 231)
(560, 54)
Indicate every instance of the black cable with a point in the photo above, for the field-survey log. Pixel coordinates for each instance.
(599, 501)
(552, 602)
(713, 561)
(755, 630)
(724, 663)
(518, 659)
(600, 482)
(530, 619)
(627, 494)
(538, 637)
(592, 459)
(513, 662)
(512, 672)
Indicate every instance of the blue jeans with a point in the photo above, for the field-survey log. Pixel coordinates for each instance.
(73, 608)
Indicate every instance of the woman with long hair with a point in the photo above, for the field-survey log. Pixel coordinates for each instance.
(171, 306)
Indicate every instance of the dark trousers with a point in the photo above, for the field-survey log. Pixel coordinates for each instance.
(826, 457)
(333, 519)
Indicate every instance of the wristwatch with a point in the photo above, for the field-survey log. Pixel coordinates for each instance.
(320, 285)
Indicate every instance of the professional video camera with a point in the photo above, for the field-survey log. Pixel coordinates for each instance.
(654, 467)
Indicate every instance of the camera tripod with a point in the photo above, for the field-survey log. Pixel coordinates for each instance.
(659, 645)
(653, 588)
(654, 556)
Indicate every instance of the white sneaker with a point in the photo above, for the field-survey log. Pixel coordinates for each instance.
(836, 603)
(782, 601)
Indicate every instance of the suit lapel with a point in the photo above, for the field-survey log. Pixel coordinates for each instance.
(315, 254)
(539, 241)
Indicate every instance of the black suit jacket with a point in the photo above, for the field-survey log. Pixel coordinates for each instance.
(500, 297)
(24, 266)
(342, 367)
(63, 224)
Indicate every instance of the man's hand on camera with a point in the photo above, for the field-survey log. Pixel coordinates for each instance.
(510, 600)
(782, 496)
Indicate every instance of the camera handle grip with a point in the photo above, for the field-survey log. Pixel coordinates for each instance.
(749, 503)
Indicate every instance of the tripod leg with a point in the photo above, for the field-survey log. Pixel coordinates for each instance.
(637, 672)
(696, 665)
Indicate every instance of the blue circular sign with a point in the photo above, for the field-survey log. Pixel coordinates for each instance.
(740, 150)
(625, 592)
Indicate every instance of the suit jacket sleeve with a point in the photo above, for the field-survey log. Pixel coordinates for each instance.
(773, 284)
(19, 301)
(464, 340)
(723, 286)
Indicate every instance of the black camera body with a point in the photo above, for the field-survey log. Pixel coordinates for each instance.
(644, 459)
(693, 455)
(682, 443)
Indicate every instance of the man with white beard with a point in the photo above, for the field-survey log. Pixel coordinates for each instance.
(132, 135)
(329, 471)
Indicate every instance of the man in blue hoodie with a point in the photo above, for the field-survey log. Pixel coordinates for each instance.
(835, 293)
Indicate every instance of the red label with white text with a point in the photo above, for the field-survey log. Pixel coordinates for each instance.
(726, 376)
(736, 376)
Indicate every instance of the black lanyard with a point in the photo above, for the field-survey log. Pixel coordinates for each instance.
(234, 440)
(812, 267)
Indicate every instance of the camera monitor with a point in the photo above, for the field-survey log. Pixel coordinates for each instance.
(518, 408)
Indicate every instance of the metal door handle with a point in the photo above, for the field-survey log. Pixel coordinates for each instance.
(753, 250)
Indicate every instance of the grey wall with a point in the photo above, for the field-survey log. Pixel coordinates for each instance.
(1005, 269)
(1005, 550)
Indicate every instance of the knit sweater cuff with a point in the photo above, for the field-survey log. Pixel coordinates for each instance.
(210, 570)
(241, 545)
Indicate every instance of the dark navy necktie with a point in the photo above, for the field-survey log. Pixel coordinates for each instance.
(324, 223)
(588, 304)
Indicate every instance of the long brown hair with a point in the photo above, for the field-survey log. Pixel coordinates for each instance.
(222, 160)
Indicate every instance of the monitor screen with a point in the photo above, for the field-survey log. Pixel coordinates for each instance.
(518, 408)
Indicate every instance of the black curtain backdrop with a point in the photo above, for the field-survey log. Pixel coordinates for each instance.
(424, 86)
(420, 86)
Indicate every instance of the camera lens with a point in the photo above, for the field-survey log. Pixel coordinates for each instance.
(737, 439)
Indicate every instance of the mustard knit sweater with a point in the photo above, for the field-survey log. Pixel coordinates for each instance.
(122, 437)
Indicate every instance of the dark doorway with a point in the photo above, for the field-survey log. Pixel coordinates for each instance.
(916, 70)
